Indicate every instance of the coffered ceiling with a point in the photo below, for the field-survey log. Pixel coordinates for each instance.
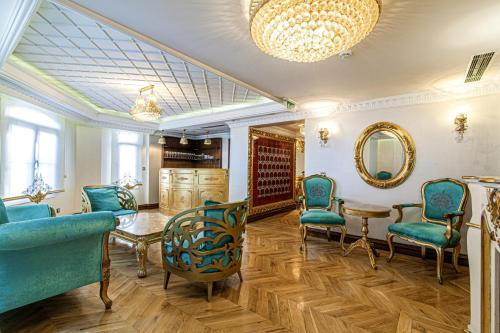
(108, 67)
(416, 46)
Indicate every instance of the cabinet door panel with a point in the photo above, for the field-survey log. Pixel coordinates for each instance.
(183, 179)
(215, 193)
(164, 198)
(211, 179)
(182, 198)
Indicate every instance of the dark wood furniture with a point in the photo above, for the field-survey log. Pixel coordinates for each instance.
(193, 155)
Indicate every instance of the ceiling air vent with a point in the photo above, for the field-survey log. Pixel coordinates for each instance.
(477, 66)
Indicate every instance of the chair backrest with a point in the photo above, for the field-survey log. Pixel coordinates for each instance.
(442, 196)
(207, 239)
(125, 197)
(318, 191)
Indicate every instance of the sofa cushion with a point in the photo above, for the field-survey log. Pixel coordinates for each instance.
(3, 213)
(103, 199)
(425, 232)
(321, 217)
(28, 212)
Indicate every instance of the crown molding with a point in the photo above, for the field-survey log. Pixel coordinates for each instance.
(17, 21)
(223, 116)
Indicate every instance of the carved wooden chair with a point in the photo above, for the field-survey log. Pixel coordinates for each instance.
(443, 204)
(204, 244)
(112, 198)
(318, 201)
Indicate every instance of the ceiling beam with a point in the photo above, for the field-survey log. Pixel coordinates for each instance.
(15, 20)
(153, 42)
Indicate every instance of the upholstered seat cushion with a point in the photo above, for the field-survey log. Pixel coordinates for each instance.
(3, 213)
(425, 232)
(321, 217)
(103, 199)
(122, 212)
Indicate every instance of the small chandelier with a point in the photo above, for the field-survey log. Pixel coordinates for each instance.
(311, 30)
(146, 107)
(184, 140)
(207, 141)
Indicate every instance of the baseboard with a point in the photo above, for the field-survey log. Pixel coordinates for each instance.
(407, 249)
(260, 216)
(149, 206)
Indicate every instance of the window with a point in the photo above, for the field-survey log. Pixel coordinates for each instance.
(127, 155)
(30, 137)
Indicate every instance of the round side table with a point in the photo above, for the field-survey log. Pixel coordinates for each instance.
(365, 212)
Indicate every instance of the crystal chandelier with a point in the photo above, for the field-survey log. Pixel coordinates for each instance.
(146, 107)
(311, 30)
(38, 190)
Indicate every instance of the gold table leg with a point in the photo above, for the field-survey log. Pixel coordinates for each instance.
(142, 257)
(364, 243)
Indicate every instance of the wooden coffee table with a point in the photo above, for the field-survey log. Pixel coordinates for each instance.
(141, 229)
(365, 211)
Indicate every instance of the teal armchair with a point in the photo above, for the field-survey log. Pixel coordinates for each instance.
(116, 199)
(443, 204)
(42, 256)
(317, 209)
(205, 244)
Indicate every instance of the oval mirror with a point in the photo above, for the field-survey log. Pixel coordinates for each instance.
(384, 155)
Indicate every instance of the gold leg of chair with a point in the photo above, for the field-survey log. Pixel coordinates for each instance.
(440, 262)
(166, 278)
(456, 254)
(328, 234)
(303, 236)
(106, 273)
(209, 292)
(240, 276)
(391, 246)
(422, 252)
(343, 232)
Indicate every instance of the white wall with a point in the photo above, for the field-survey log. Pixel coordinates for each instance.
(438, 155)
(225, 153)
(238, 172)
(155, 162)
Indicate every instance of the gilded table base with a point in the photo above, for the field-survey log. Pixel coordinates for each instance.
(364, 243)
(141, 249)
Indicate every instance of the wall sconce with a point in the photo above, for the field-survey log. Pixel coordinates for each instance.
(324, 135)
(461, 126)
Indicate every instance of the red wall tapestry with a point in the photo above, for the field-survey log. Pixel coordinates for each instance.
(273, 169)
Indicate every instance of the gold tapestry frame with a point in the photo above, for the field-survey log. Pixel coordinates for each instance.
(408, 148)
(253, 134)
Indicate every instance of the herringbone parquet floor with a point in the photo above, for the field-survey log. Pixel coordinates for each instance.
(284, 291)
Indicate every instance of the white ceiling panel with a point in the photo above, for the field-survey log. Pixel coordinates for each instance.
(109, 67)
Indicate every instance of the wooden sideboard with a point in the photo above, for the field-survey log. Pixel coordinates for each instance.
(182, 189)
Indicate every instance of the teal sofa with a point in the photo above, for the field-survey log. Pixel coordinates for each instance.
(42, 256)
(112, 198)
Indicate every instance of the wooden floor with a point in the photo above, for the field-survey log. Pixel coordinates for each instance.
(284, 291)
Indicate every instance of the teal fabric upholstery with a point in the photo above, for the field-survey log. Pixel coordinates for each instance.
(441, 198)
(317, 192)
(425, 232)
(28, 212)
(122, 212)
(384, 175)
(103, 199)
(321, 217)
(41, 258)
(4, 218)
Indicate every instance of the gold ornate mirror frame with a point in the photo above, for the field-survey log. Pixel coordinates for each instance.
(408, 149)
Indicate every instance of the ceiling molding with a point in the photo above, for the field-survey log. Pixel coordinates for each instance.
(18, 20)
(463, 91)
(135, 34)
(223, 116)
